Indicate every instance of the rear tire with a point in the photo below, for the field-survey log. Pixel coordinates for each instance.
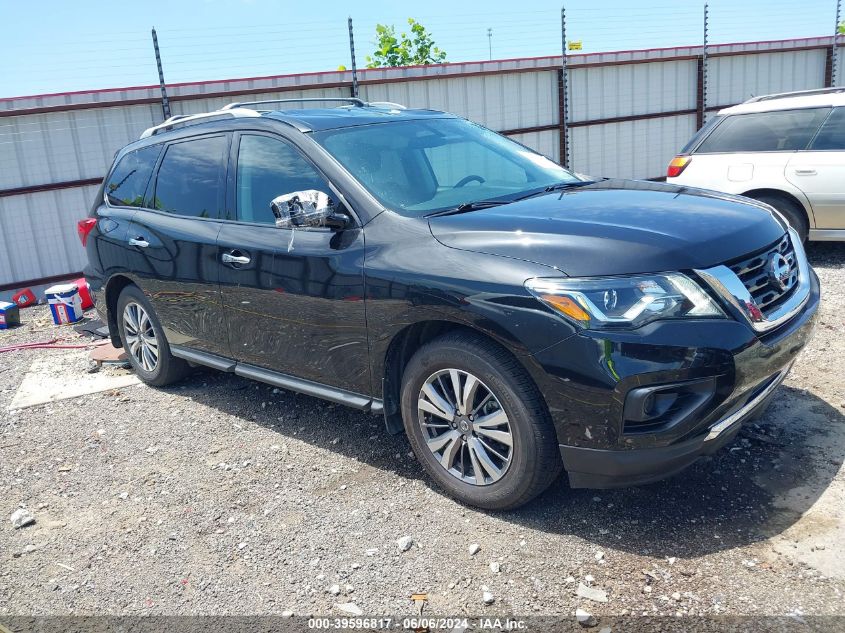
(144, 342)
(794, 215)
(498, 451)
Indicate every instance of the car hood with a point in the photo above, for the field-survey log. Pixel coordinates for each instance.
(616, 227)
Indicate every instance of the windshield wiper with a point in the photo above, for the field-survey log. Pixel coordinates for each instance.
(469, 206)
(556, 187)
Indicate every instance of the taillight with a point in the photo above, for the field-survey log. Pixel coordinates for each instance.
(677, 166)
(84, 228)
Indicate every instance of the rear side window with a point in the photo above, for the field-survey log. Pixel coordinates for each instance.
(268, 168)
(190, 178)
(129, 178)
(781, 131)
(832, 134)
(704, 131)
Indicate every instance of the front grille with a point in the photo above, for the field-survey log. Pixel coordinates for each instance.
(755, 275)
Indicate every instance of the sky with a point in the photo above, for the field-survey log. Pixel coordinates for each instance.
(58, 46)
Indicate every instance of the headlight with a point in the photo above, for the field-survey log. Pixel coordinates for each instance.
(625, 302)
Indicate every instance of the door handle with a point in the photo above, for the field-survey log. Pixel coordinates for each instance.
(230, 258)
(805, 172)
(139, 241)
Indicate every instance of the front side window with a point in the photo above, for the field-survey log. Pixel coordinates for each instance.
(129, 179)
(190, 178)
(418, 167)
(780, 131)
(268, 168)
(832, 134)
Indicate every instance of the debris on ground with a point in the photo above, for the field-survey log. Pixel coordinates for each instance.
(349, 608)
(21, 518)
(591, 593)
(585, 618)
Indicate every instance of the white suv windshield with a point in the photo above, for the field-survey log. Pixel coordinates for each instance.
(418, 167)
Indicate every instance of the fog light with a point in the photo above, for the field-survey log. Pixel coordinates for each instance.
(656, 408)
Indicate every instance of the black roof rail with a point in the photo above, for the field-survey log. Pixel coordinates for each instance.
(249, 104)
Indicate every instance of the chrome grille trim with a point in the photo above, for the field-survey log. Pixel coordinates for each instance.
(756, 304)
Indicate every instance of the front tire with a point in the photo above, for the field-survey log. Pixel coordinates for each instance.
(144, 341)
(477, 423)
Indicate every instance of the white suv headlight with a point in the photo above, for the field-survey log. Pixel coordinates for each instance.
(625, 302)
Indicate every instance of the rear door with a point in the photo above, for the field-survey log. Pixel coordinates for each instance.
(747, 151)
(174, 242)
(124, 192)
(819, 172)
(294, 298)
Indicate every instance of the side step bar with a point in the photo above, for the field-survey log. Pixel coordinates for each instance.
(284, 381)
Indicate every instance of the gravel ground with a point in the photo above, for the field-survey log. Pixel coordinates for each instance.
(224, 496)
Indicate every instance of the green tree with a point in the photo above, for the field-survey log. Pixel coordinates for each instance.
(842, 29)
(418, 49)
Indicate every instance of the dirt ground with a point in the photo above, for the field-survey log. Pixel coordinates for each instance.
(224, 496)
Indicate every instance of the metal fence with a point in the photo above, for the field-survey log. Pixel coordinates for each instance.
(627, 113)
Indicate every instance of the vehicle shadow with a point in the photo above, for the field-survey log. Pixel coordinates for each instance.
(721, 502)
(826, 253)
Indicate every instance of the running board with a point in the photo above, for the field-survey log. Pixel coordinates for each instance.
(300, 385)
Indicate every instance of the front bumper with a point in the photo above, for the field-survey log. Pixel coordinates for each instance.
(597, 468)
(587, 378)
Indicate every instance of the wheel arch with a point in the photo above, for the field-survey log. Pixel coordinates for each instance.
(784, 195)
(405, 343)
(114, 287)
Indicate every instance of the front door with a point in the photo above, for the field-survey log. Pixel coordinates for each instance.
(293, 298)
(820, 172)
(174, 240)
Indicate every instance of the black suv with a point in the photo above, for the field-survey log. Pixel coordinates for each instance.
(510, 317)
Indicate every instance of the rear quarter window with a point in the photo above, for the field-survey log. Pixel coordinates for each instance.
(779, 131)
(832, 134)
(703, 132)
(128, 180)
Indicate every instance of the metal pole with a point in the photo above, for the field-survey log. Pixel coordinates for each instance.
(165, 103)
(704, 65)
(490, 43)
(352, 54)
(835, 59)
(564, 90)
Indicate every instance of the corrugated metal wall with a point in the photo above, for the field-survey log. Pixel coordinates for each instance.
(733, 79)
(634, 149)
(630, 111)
(38, 233)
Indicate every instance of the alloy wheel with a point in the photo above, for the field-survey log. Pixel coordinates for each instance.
(465, 427)
(140, 336)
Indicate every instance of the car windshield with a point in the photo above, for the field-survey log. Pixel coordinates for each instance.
(418, 167)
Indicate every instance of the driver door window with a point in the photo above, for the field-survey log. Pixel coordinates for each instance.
(268, 168)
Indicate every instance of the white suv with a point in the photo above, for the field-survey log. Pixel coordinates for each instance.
(787, 150)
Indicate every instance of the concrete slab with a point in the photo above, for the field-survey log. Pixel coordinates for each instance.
(63, 376)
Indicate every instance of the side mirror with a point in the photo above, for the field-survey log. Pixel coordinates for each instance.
(308, 209)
